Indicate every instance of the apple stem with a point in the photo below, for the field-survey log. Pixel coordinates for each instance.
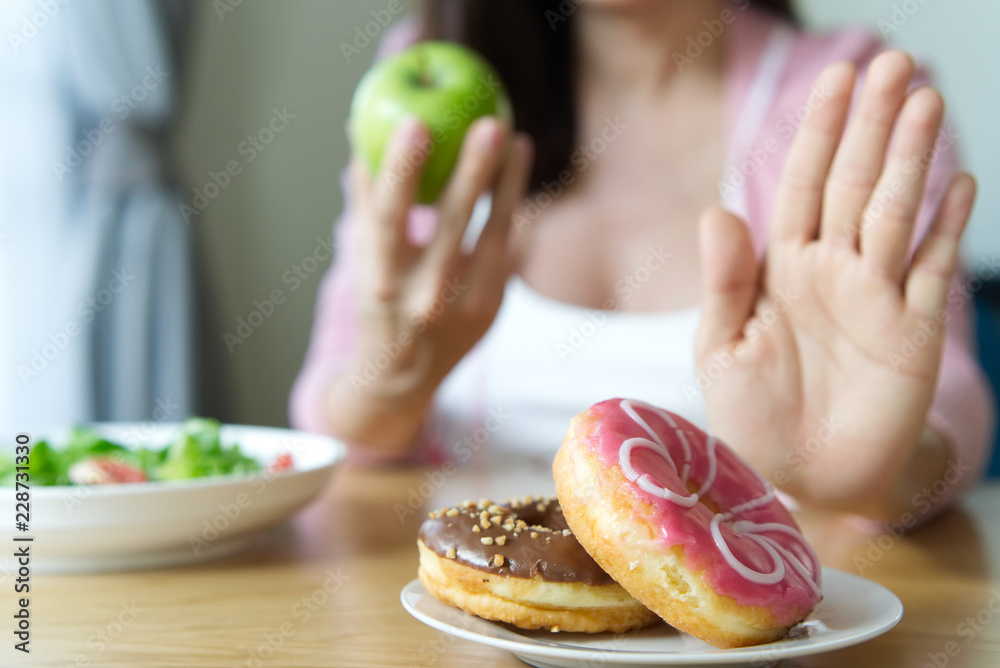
(423, 76)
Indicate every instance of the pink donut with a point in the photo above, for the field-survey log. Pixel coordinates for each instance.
(684, 525)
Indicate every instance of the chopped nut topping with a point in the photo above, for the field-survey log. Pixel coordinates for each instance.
(486, 540)
(528, 500)
(496, 519)
(498, 560)
(534, 534)
(485, 524)
(494, 509)
(521, 524)
(555, 629)
(540, 507)
(452, 513)
(567, 532)
(450, 553)
(501, 540)
(475, 527)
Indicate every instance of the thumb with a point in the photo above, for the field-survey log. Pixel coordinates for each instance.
(729, 280)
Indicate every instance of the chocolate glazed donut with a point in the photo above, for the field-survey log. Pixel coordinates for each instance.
(518, 562)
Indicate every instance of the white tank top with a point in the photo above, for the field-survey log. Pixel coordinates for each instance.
(543, 361)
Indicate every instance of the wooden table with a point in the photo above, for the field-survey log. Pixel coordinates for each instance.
(323, 590)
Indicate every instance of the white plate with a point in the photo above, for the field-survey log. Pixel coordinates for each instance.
(152, 524)
(853, 610)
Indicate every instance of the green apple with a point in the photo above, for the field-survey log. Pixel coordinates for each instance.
(444, 85)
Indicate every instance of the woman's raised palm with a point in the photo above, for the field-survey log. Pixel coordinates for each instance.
(820, 363)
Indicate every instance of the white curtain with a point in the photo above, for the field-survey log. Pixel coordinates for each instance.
(96, 273)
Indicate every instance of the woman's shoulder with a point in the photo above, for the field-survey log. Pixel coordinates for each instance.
(812, 51)
(764, 42)
(809, 52)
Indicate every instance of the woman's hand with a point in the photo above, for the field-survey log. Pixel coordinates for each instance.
(825, 358)
(421, 308)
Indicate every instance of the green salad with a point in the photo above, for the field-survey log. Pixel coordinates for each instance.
(89, 458)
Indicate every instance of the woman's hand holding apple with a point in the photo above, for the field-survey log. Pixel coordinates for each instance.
(424, 307)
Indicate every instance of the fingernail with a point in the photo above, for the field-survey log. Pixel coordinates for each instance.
(523, 146)
(406, 130)
(488, 133)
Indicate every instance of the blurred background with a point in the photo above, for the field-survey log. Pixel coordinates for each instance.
(248, 136)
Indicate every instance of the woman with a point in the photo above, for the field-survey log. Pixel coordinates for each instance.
(779, 305)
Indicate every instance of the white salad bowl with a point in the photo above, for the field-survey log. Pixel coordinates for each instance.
(90, 528)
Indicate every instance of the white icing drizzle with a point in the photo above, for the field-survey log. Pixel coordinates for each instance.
(762, 500)
(629, 406)
(713, 467)
(687, 453)
(753, 531)
(754, 576)
(811, 573)
(643, 481)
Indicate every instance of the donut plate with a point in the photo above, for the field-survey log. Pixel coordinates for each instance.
(852, 611)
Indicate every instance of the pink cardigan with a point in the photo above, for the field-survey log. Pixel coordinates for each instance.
(962, 411)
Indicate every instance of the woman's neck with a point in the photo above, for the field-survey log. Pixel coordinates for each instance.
(640, 49)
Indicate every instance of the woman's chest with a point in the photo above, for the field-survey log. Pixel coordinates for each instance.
(622, 229)
(634, 249)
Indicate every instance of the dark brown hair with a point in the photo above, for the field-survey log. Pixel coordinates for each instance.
(536, 66)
